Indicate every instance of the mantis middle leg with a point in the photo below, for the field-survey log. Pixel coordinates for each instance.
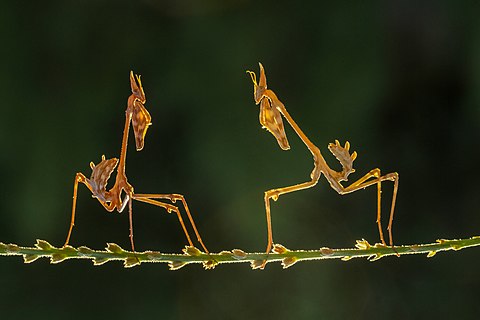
(275, 193)
(80, 178)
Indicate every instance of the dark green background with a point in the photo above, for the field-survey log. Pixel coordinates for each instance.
(398, 79)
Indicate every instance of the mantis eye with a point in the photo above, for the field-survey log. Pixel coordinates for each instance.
(271, 119)
(141, 120)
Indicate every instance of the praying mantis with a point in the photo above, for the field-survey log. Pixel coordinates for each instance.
(271, 112)
(139, 117)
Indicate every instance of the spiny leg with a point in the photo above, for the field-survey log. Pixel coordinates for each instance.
(170, 208)
(269, 225)
(375, 173)
(394, 199)
(130, 221)
(364, 182)
(173, 198)
(379, 209)
(192, 222)
(130, 218)
(78, 178)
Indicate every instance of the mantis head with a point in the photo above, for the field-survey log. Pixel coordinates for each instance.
(137, 89)
(260, 87)
(141, 119)
(270, 117)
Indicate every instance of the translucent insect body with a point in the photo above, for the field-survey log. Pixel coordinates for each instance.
(271, 112)
(138, 115)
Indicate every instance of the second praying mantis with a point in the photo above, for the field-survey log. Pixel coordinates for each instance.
(271, 112)
(122, 193)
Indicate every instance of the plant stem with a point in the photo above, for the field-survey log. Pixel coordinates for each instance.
(193, 255)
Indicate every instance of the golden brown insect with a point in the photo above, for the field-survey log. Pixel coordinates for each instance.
(112, 199)
(271, 111)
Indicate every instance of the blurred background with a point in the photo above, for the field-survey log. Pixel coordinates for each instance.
(399, 79)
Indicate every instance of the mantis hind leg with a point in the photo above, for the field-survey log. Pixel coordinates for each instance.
(149, 198)
(190, 218)
(367, 181)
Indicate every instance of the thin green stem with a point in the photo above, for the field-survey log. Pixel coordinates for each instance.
(193, 255)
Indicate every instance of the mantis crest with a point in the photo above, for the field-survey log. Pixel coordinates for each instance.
(122, 192)
(271, 112)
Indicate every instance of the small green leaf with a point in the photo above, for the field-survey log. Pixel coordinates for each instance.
(44, 245)
(69, 249)
(57, 258)
(85, 250)
(431, 254)
(288, 262)
(375, 257)
(192, 251)
(131, 262)
(99, 261)
(28, 258)
(278, 248)
(175, 265)
(114, 248)
(238, 254)
(257, 264)
(362, 244)
(210, 264)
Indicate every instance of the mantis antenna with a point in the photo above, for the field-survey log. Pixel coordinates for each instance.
(271, 112)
